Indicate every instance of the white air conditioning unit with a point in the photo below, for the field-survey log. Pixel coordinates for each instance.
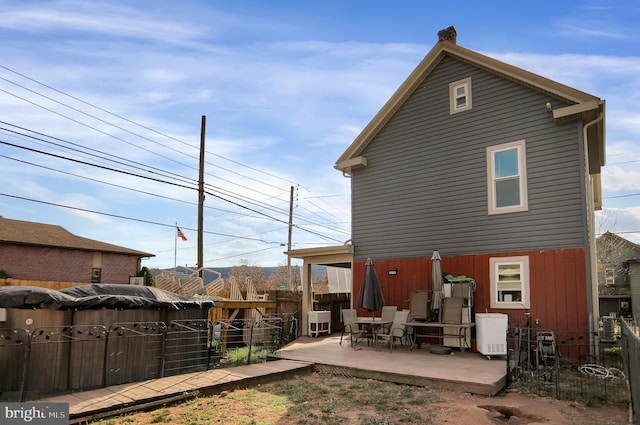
(608, 329)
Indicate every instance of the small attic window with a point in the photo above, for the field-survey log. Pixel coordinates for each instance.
(460, 96)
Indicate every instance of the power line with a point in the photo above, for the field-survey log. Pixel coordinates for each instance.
(128, 131)
(228, 193)
(137, 124)
(121, 128)
(96, 165)
(95, 129)
(175, 184)
(628, 195)
(136, 165)
(240, 255)
(139, 220)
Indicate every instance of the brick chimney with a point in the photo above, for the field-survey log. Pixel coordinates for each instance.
(448, 34)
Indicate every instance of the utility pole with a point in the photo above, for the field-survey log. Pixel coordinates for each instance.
(289, 243)
(201, 198)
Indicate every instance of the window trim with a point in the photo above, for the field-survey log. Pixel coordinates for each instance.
(466, 83)
(609, 276)
(520, 146)
(96, 275)
(523, 262)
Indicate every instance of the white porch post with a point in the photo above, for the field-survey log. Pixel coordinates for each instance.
(307, 297)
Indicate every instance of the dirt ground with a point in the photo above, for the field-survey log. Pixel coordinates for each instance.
(326, 399)
(517, 409)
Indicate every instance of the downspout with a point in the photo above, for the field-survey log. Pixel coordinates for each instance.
(593, 290)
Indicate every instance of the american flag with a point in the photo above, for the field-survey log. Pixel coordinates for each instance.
(181, 235)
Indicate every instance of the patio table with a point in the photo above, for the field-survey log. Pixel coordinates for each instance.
(420, 330)
(375, 323)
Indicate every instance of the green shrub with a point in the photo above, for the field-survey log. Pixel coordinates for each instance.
(239, 356)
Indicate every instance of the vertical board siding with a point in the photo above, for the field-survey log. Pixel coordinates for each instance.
(425, 185)
(557, 285)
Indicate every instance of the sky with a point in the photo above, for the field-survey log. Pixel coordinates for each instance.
(101, 106)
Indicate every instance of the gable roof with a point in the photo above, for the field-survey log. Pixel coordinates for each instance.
(40, 234)
(583, 105)
(609, 235)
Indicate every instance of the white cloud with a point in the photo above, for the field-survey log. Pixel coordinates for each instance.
(94, 18)
(616, 179)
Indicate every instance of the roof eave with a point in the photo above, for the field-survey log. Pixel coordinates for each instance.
(351, 164)
(424, 68)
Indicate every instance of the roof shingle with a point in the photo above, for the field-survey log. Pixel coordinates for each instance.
(40, 234)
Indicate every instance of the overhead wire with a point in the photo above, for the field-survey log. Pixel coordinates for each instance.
(103, 155)
(95, 129)
(174, 184)
(138, 124)
(225, 191)
(119, 127)
(131, 218)
(126, 130)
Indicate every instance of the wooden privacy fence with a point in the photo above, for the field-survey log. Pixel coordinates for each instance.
(55, 360)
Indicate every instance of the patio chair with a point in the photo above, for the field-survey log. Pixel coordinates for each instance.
(397, 331)
(348, 317)
(452, 311)
(388, 313)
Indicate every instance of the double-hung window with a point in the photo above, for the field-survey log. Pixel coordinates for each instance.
(460, 95)
(507, 178)
(609, 276)
(510, 282)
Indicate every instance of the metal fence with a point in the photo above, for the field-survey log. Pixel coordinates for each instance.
(565, 366)
(56, 360)
(630, 342)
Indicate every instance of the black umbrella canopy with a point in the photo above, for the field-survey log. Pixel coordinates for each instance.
(370, 295)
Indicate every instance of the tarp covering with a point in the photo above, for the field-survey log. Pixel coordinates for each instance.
(370, 296)
(96, 296)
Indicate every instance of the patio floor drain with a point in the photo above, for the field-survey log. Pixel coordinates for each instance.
(510, 415)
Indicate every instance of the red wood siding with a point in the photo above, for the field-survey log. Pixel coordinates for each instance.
(557, 285)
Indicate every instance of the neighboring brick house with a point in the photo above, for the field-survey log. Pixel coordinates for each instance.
(45, 252)
(617, 257)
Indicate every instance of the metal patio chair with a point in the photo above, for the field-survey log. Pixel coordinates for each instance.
(398, 330)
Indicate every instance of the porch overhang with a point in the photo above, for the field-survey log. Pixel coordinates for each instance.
(334, 256)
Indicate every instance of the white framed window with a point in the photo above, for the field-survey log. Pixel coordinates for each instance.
(507, 178)
(510, 282)
(460, 96)
(609, 276)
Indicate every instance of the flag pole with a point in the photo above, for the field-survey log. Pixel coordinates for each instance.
(175, 247)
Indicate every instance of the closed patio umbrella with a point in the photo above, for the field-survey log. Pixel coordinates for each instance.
(370, 296)
(436, 277)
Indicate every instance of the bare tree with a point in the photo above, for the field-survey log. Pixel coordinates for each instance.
(245, 271)
(280, 278)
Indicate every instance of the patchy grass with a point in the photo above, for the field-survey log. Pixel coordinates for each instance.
(310, 399)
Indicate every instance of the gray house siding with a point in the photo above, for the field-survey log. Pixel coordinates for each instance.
(634, 281)
(425, 183)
